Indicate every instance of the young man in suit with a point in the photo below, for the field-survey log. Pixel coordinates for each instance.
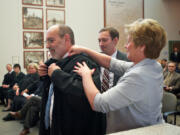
(65, 108)
(108, 39)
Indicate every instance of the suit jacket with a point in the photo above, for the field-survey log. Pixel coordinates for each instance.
(9, 78)
(18, 78)
(174, 82)
(72, 114)
(30, 82)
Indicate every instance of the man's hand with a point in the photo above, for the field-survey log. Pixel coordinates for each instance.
(17, 92)
(24, 91)
(168, 88)
(28, 97)
(75, 49)
(42, 70)
(51, 69)
(5, 86)
(15, 87)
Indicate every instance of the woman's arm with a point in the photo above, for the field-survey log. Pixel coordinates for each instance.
(102, 59)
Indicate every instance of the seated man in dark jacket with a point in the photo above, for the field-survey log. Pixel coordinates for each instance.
(7, 81)
(65, 109)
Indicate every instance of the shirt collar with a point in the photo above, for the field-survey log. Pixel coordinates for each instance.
(144, 62)
(65, 55)
(114, 54)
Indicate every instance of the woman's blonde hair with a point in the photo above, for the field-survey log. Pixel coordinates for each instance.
(150, 33)
(35, 65)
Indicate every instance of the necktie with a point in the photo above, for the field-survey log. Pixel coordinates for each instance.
(48, 105)
(105, 80)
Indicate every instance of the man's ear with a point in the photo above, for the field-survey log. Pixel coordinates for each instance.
(142, 48)
(67, 38)
(115, 40)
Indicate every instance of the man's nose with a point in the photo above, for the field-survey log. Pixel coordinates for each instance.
(100, 43)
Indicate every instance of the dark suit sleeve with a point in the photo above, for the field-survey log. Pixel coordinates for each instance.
(70, 82)
(5, 79)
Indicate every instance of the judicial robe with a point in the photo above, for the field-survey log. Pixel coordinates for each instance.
(72, 114)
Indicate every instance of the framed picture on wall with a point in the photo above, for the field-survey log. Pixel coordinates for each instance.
(32, 18)
(33, 40)
(54, 16)
(33, 57)
(174, 50)
(33, 2)
(117, 13)
(55, 3)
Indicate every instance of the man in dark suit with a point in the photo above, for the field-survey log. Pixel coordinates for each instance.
(108, 39)
(6, 84)
(172, 79)
(69, 112)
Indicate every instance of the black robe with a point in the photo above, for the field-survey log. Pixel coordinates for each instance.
(72, 114)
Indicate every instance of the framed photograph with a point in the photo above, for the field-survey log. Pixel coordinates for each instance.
(33, 40)
(172, 45)
(55, 3)
(33, 57)
(117, 13)
(54, 16)
(33, 2)
(32, 18)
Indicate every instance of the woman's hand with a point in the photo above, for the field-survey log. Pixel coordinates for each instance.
(83, 70)
(75, 50)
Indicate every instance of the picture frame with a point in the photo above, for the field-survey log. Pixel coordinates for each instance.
(33, 40)
(54, 16)
(32, 18)
(55, 3)
(33, 57)
(32, 2)
(127, 11)
(173, 44)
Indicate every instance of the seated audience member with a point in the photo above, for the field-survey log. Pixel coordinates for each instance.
(172, 79)
(25, 87)
(138, 93)
(164, 65)
(8, 80)
(30, 111)
(18, 77)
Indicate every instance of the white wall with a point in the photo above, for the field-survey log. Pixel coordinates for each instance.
(166, 12)
(85, 17)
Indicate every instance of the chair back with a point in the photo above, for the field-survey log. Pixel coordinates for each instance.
(169, 102)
